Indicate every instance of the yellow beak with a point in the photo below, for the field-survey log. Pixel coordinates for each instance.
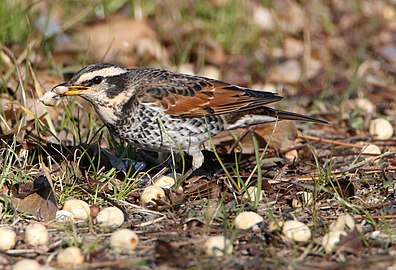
(74, 90)
(68, 90)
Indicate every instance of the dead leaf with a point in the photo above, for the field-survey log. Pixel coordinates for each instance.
(118, 39)
(352, 242)
(21, 191)
(169, 255)
(35, 198)
(267, 187)
(198, 187)
(278, 135)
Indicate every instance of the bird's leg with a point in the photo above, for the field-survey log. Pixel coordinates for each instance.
(197, 161)
(198, 158)
(163, 157)
(148, 158)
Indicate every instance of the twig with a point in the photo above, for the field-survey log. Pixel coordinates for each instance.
(367, 161)
(150, 222)
(141, 209)
(317, 139)
(341, 172)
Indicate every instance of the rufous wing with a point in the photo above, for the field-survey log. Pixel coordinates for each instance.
(202, 96)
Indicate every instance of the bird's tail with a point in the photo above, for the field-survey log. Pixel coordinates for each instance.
(264, 115)
(285, 115)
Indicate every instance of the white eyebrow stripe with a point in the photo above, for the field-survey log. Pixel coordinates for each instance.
(105, 72)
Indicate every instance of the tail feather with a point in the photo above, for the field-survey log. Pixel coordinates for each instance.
(265, 115)
(285, 115)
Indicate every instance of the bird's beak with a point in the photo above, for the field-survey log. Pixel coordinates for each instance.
(52, 97)
(65, 89)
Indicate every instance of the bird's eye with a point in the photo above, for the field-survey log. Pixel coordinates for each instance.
(97, 79)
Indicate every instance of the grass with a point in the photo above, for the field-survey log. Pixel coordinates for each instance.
(15, 25)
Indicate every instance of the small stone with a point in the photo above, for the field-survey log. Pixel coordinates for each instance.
(218, 246)
(371, 149)
(381, 129)
(26, 264)
(247, 220)
(36, 234)
(251, 194)
(7, 238)
(164, 182)
(70, 257)
(123, 240)
(296, 231)
(151, 193)
(78, 208)
(110, 217)
(94, 211)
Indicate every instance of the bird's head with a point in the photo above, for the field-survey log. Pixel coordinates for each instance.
(96, 83)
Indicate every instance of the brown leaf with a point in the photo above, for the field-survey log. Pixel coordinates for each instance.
(118, 39)
(21, 191)
(168, 254)
(198, 187)
(279, 135)
(352, 242)
(267, 187)
(35, 198)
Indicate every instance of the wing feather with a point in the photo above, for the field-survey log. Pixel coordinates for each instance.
(188, 96)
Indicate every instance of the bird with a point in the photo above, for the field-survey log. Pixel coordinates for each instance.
(159, 110)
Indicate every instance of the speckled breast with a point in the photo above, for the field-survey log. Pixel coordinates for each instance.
(154, 130)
